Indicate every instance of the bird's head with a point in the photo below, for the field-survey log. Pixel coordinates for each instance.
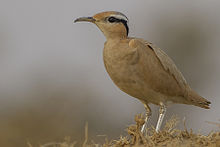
(113, 24)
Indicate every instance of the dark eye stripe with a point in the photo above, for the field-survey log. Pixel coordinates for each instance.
(113, 19)
(116, 20)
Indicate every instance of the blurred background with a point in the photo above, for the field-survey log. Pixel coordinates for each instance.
(52, 77)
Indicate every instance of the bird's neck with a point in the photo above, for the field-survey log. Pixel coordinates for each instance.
(115, 36)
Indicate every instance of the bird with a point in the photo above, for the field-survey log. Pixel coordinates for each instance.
(141, 69)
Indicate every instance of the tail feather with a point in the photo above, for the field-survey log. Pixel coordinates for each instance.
(199, 101)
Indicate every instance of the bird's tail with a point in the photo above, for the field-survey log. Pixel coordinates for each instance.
(197, 100)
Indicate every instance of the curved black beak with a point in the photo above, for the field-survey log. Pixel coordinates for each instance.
(88, 19)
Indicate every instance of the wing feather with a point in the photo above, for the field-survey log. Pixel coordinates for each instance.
(166, 63)
(160, 71)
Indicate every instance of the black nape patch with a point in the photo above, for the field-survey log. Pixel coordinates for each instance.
(126, 25)
(150, 46)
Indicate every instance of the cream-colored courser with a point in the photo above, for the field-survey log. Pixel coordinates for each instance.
(141, 69)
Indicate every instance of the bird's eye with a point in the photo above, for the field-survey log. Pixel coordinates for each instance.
(112, 19)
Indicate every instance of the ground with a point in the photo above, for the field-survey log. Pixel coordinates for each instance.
(169, 136)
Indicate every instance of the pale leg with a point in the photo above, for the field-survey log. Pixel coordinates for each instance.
(162, 112)
(148, 114)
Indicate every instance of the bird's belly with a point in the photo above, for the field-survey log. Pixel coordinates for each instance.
(124, 78)
(129, 80)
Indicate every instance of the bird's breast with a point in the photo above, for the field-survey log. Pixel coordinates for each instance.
(120, 65)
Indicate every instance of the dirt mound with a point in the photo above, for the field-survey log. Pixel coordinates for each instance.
(169, 136)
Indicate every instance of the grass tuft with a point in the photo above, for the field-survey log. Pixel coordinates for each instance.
(169, 136)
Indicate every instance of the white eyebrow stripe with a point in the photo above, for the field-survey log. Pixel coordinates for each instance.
(119, 16)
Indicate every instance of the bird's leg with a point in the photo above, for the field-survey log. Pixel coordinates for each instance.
(162, 112)
(148, 114)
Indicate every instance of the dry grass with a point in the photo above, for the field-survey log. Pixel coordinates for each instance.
(169, 136)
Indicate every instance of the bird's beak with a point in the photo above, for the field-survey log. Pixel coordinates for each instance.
(88, 19)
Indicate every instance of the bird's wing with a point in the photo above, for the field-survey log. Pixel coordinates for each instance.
(166, 64)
